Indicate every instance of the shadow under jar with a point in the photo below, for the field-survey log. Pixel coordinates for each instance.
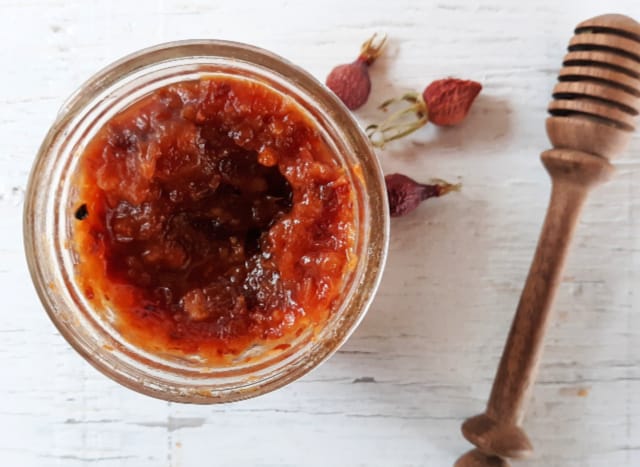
(205, 222)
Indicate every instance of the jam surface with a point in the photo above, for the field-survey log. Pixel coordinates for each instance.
(211, 215)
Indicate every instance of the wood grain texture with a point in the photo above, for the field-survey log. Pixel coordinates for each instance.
(424, 357)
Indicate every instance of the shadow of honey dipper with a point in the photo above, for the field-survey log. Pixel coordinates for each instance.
(592, 118)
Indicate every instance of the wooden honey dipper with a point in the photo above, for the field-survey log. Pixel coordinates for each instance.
(592, 118)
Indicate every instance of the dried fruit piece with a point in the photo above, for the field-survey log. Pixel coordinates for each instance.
(450, 99)
(444, 102)
(405, 194)
(351, 82)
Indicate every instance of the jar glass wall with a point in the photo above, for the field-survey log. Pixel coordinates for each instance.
(48, 223)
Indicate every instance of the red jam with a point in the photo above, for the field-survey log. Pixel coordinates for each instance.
(211, 215)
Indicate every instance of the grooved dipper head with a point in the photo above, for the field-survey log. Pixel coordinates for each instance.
(597, 98)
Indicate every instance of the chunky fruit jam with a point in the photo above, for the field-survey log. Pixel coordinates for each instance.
(211, 215)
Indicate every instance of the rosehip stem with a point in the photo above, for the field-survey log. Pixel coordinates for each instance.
(397, 124)
(372, 48)
(439, 188)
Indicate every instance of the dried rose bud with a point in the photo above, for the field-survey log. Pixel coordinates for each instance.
(405, 194)
(444, 102)
(351, 82)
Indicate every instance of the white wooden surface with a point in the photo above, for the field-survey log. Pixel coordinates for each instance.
(425, 356)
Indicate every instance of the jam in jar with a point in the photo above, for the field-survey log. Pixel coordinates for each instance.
(212, 215)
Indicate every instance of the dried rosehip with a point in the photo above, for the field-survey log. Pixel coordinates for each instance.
(405, 194)
(351, 82)
(449, 100)
(444, 102)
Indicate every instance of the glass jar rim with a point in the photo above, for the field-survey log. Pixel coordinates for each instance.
(43, 194)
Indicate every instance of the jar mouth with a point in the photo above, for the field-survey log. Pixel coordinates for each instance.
(47, 229)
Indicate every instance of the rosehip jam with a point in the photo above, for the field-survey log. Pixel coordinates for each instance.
(212, 215)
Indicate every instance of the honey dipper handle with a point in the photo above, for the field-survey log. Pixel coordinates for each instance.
(573, 173)
(497, 433)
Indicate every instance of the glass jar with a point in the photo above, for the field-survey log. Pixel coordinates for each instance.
(48, 225)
